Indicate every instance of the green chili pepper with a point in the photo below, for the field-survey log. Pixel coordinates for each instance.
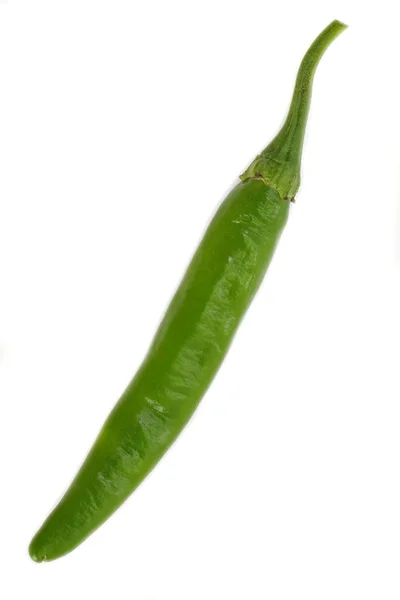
(195, 333)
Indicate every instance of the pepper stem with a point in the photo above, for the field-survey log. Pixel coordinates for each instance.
(279, 164)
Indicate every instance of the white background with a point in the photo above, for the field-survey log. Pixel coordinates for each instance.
(122, 127)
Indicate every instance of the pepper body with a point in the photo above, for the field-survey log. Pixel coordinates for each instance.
(187, 351)
(195, 333)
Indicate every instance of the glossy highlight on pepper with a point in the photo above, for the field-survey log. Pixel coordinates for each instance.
(195, 334)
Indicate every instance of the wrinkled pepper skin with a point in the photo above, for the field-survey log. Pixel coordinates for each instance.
(194, 336)
(188, 349)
